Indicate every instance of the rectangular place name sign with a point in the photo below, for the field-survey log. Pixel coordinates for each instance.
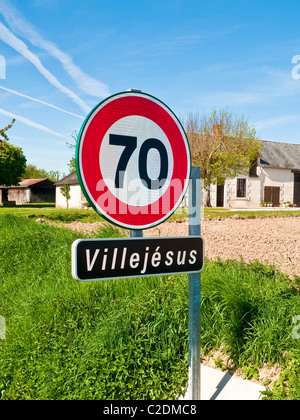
(102, 259)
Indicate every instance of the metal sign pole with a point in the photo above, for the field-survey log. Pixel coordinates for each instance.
(194, 290)
(194, 287)
(136, 233)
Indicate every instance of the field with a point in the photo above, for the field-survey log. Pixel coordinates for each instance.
(128, 339)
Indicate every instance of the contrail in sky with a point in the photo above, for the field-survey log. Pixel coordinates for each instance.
(20, 26)
(41, 102)
(9, 38)
(31, 123)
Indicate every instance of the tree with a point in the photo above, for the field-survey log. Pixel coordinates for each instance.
(32, 172)
(72, 146)
(223, 144)
(65, 190)
(12, 160)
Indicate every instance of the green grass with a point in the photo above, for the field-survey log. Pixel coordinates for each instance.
(48, 212)
(248, 310)
(249, 214)
(119, 339)
(128, 338)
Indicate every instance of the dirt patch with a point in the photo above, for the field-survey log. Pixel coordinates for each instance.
(86, 228)
(265, 375)
(274, 240)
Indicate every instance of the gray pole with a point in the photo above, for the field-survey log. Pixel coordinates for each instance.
(194, 290)
(136, 233)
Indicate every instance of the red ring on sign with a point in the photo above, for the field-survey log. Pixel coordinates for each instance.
(135, 217)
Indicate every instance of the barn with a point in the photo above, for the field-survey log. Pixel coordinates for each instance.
(29, 191)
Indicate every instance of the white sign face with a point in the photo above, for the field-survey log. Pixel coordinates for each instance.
(133, 160)
(132, 189)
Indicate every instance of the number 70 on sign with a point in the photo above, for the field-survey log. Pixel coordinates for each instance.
(134, 147)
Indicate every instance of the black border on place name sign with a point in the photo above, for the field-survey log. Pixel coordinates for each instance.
(74, 257)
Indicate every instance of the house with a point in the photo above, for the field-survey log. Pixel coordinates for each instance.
(77, 199)
(29, 191)
(274, 178)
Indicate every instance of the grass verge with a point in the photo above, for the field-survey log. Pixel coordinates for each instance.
(128, 339)
(48, 212)
(122, 339)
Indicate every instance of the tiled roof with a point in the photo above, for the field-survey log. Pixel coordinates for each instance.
(29, 182)
(25, 183)
(69, 180)
(279, 155)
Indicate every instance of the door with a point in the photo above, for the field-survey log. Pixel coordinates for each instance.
(272, 195)
(220, 195)
(297, 189)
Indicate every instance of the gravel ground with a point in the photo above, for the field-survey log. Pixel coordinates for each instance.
(272, 240)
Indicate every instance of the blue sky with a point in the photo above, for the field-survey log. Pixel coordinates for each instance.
(63, 57)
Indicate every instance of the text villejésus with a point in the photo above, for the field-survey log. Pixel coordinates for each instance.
(116, 258)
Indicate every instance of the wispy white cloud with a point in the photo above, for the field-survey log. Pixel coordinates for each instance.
(188, 40)
(269, 85)
(31, 123)
(40, 102)
(10, 39)
(273, 122)
(23, 28)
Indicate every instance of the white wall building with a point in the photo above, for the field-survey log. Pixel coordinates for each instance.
(77, 200)
(274, 179)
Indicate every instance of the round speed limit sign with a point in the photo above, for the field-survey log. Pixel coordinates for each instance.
(133, 160)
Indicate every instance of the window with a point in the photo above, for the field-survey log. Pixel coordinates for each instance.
(241, 188)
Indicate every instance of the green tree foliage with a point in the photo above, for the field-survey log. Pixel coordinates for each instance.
(72, 146)
(12, 160)
(65, 190)
(223, 144)
(32, 172)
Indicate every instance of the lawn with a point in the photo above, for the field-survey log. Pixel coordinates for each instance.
(48, 212)
(220, 212)
(128, 338)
